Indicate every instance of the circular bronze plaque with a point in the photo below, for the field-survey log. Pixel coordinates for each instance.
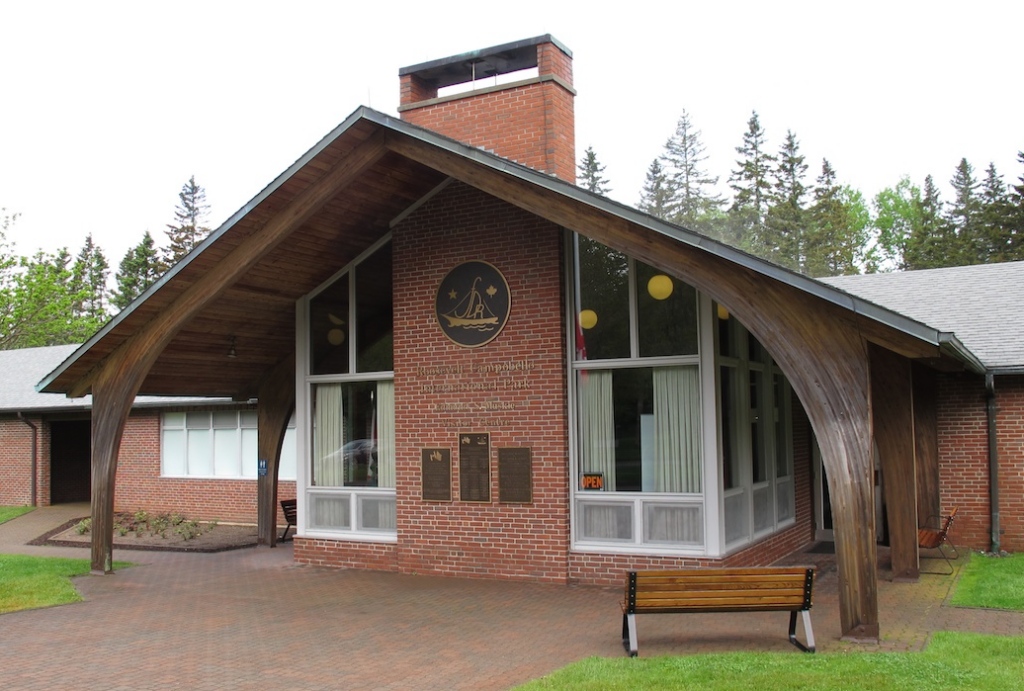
(472, 304)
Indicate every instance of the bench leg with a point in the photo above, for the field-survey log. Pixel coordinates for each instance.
(284, 536)
(808, 631)
(629, 634)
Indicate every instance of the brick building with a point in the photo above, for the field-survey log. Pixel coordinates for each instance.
(494, 373)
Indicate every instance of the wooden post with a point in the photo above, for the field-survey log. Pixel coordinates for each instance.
(893, 415)
(276, 404)
(926, 443)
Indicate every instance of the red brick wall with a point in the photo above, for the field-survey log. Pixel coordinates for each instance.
(16, 461)
(964, 463)
(531, 124)
(488, 539)
(1010, 424)
(140, 487)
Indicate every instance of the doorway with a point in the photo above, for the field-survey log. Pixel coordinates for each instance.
(70, 461)
(823, 531)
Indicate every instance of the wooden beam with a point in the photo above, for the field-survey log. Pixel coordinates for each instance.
(116, 380)
(276, 404)
(893, 415)
(926, 443)
(161, 329)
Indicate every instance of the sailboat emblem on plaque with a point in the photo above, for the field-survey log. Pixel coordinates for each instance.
(472, 304)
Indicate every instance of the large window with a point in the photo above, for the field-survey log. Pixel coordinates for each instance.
(683, 437)
(638, 403)
(217, 444)
(755, 437)
(351, 477)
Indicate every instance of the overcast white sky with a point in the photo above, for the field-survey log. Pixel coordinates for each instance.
(107, 108)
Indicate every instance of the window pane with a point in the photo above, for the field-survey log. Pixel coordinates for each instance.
(728, 416)
(329, 330)
(727, 340)
(667, 324)
(758, 428)
(226, 453)
(604, 522)
(376, 513)
(286, 469)
(604, 301)
(674, 524)
(374, 284)
(633, 395)
(176, 420)
(225, 419)
(782, 450)
(345, 435)
(737, 519)
(197, 420)
(328, 512)
(250, 456)
(173, 452)
(200, 453)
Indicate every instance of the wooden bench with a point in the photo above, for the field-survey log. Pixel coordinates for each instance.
(289, 508)
(754, 589)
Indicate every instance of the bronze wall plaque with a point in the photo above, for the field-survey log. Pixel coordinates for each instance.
(436, 474)
(472, 304)
(515, 476)
(475, 467)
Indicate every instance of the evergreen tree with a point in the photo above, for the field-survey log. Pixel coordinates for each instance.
(964, 219)
(932, 244)
(839, 218)
(693, 198)
(89, 279)
(1015, 232)
(785, 237)
(140, 268)
(656, 194)
(751, 186)
(995, 219)
(590, 173)
(188, 230)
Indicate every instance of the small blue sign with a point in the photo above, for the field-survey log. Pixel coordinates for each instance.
(262, 467)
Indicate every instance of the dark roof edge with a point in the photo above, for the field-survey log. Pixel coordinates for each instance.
(324, 142)
(491, 50)
(951, 345)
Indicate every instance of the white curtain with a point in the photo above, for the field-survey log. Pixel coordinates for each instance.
(597, 425)
(386, 434)
(677, 429)
(328, 436)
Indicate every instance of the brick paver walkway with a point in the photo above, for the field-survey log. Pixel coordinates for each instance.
(252, 619)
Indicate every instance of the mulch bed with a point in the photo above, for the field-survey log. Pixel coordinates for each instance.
(221, 538)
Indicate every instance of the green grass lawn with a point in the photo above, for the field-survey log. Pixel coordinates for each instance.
(30, 582)
(9, 512)
(952, 661)
(996, 582)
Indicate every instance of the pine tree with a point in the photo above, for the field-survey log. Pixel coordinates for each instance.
(140, 268)
(656, 194)
(188, 230)
(590, 173)
(751, 186)
(785, 237)
(839, 219)
(995, 218)
(693, 198)
(1015, 233)
(964, 218)
(89, 281)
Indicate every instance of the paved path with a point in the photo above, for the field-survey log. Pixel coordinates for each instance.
(252, 619)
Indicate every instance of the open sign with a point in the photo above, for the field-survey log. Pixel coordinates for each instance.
(594, 481)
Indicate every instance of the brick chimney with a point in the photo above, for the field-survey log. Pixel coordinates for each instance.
(529, 121)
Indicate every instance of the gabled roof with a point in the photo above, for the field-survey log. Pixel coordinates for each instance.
(983, 305)
(387, 167)
(21, 369)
